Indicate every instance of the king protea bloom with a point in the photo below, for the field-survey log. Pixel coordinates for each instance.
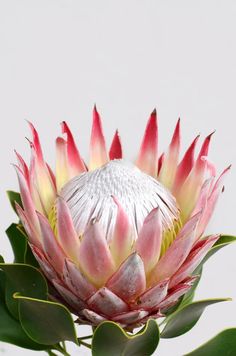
(118, 240)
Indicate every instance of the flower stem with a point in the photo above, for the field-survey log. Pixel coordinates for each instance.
(85, 337)
(85, 344)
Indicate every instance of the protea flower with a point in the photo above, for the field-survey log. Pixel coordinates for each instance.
(118, 240)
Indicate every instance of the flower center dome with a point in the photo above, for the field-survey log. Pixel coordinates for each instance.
(90, 196)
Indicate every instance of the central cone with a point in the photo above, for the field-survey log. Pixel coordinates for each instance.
(90, 196)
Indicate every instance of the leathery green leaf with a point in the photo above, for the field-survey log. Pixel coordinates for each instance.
(185, 318)
(10, 329)
(46, 322)
(24, 279)
(19, 243)
(110, 339)
(223, 241)
(222, 344)
(14, 197)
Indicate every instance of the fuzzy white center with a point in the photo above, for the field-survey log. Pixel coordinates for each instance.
(89, 196)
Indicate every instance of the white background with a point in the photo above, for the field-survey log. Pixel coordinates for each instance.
(58, 57)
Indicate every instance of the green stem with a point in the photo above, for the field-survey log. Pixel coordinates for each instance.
(85, 337)
(61, 350)
(85, 344)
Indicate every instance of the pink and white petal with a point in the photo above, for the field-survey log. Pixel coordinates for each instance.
(32, 233)
(36, 143)
(28, 202)
(76, 164)
(122, 239)
(155, 315)
(62, 170)
(67, 235)
(151, 298)
(176, 253)
(130, 317)
(24, 168)
(98, 153)
(149, 241)
(51, 246)
(130, 280)
(211, 202)
(185, 166)
(170, 161)
(160, 162)
(39, 169)
(77, 281)
(148, 156)
(116, 147)
(95, 258)
(193, 260)
(44, 264)
(42, 184)
(190, 190)
(107, 303)
(174, 295)
(93, 317)
(69, 297)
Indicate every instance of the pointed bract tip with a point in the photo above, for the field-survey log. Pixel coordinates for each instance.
(154, 112)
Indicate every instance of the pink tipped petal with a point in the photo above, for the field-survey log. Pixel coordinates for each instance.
(76, 164)
(62, 171)
(130, 317)
(36, 143)
(51, 247)
(153, 296)
(93, 317)
(211, 202)
(69, 297)
(148, 244)
(31, 231)
(107, 303)
(174, 295)
(121, 243)
(193, 260)
(170, 161)
(130, 280)
(41, 181)
(77, 282)
(190, 190)
(94, 256)
(45, 266)
(210, 166)
(203, 196)
(148, 158)
(98, 153)
(66, 232)
(116, 148)
(27, 202)
(177, 252)
(185, 165)
(24, 168)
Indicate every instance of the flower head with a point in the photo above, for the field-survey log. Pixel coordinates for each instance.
(118, 240)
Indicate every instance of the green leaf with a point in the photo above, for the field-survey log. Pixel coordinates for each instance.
(23, 279)
(1, 259)
(12, 332)
(110, 339)
(185, 318)
(14, 197)
(223, 241)
(222, 344)
(46, 322)
(19, 244)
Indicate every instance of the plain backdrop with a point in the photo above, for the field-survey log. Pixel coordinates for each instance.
(59, 57)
